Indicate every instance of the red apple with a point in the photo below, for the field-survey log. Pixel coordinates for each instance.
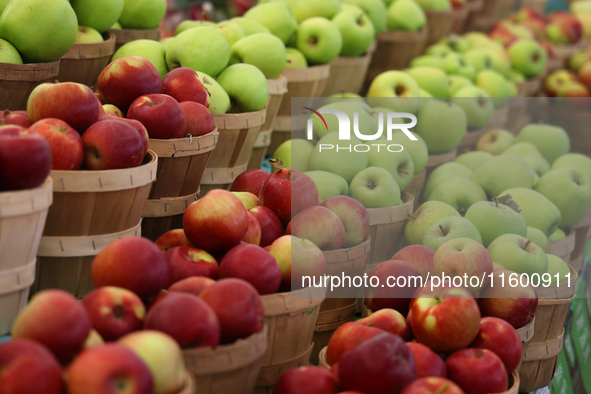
(115, 369)
(98, 97)
(67, 148)
(172, 238)
(418, 255)
(114, 311)
(184, 262)
(398, 281)
(283, 185)
(217, 222)
(112, 144)
(28, 367)
(444, 318)
(184, 85)
(133, 263)
(477, 371)
(25, 158)
(17, 118)
(250, 181)
(238, 307)
(71, 102)
(186, 318)
(199, 119)
(193, 285)
(388, 320)
(141, 129)
(432, 385)
(306, 380)
(55, 319)
(111, 109)
(254, 265)
(161, 114)
(253, 234)
(319, 225)
(500, 337)
(354, 216)
(380, 365)
(126, 79)
(271, 227)
(557, 79)
(248, 199)
(428, 363)
(346, 337)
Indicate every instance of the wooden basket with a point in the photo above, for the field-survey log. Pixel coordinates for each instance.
(469, 140)
(301, 82)
(499, 119)
(564, 248)
(529, 88)
(526, 333)
(514, 383)
(347, 75)
(582, 231)
(277, 89)
(439, 25)
(90, 210)
(519, 114)
(291, 318)
(190, 385)
(17, 81)
(237, 135)
(123, 36)
(22, 217)
(460, 18)
(83, 63)
(228, 369)
(322, 363)
(415, 187)
(538, 5)
(327, 324)
(181, 163)
(395, 50)
(539, 363)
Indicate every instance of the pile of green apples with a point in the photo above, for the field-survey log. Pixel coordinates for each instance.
(38, 31)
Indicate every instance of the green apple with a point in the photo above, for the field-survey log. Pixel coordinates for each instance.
(117, 26)
(456, 42)
(375, 10)
(357, 32)
(328, 184)
(516, 76)
(443, 173)
(477, 105)
(375, 187)
(446, 229)
(166, 41)
(551, 141)
(319, 39)
(88, 35)
(456, 64)
(100, 15)
(189, 24)
(405, 15)
(459, 192)
(275, 16)
(576, 160)
(569, 190)
(3, 4)
(493, 219)
(426, 61)
(431, 79)
(142, 14)
(343, 97)
(503, 172)
(537, 210)
(201, 48)
(557, 235)
(250, 26)
(263, 50)
(344, 163)
(219, 101)
(399, 164)
(435, 5)
(518, 254)
(442, 125)
(295, 59)
(500, 62)
(233, 32)
(306, 9)
(41, 30)
(495, 85)
(417, 149)
(393, 85)
(524, 149)
(495, 141)
(8, 53)
(439, 50)
(367, 121)
(557, 266)
(295, 154)
(479, 58)
(246, 86)
(473, 159)
(427, 214)
(457, 82)
(528, 57)
(151, 50)
(537, 237)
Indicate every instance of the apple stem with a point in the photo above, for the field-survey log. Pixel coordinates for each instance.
(56, 81)
(410, 216)
(527, 244)
(6, 112)
(496, 201)
(442, 230)
(276, 163)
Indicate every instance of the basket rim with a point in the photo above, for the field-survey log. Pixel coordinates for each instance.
(26, 201)
(107, 45)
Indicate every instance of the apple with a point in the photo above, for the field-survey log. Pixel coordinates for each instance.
(519, 254)
(249, 26)
(28, 367)
(495, 141)
(432, 385)
(556, 80)
(450, 228)
(17, 118)
(406, 16)
(388, 320)
(56, 320)
(8, 53)
(270, 225)
(114, 311)
(517, 173)
(458, 192)
(184, 262)
(431, 79)
(189, 24)
(193, 285)
(183, 84)
(551, 141)
(493, 219)
(477, 105)
(536, 209)
(557, 266)
(579, 161)
(375, 10)
(262, 50)
(237, 306)
(357, 31)
(375, 187)
(473, 159)
(219, 101)
(253, 234)
(319, 39)
(297, 258)
(172, 238)
(400, 165)
(250, 181)
(284, 185)
(584, 75)
(344, 163)
(275, 16)
(477, 371)
(248, 199)
(301, 150)
(428, 363)
(112, 364)
(528, 57)
(217, 222)
(457, 82)
(151, 50)
(501, 338)
(444, 173)
(161, 114)
(538, 237)
(67, 149)
(427, 214)
(354, 217)
(456, 64)
(126, 79)
(393, 85)
(396, 297)
(441, 125)
(417, 149)
(556, 235)
(231, 31)
(199, 119)
(111, 109)
(93, 340)
(246, 86)
(254, 265)
(133, 263)
(347, 337)
(99, 17)
(383, 364)
(100, 153)
(295, 58)
(321, 226)
(328, 184)
(495, 84)
(306, 380)
(144, 14)
(418, 255)
(569, 190)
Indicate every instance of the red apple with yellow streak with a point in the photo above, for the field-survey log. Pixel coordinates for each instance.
(432, 385)
(184, 85)
(17, 118)
(184, 262)
(193, 285)
(172, 238)
(319, 225)
(253, 234)
(388, 320)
